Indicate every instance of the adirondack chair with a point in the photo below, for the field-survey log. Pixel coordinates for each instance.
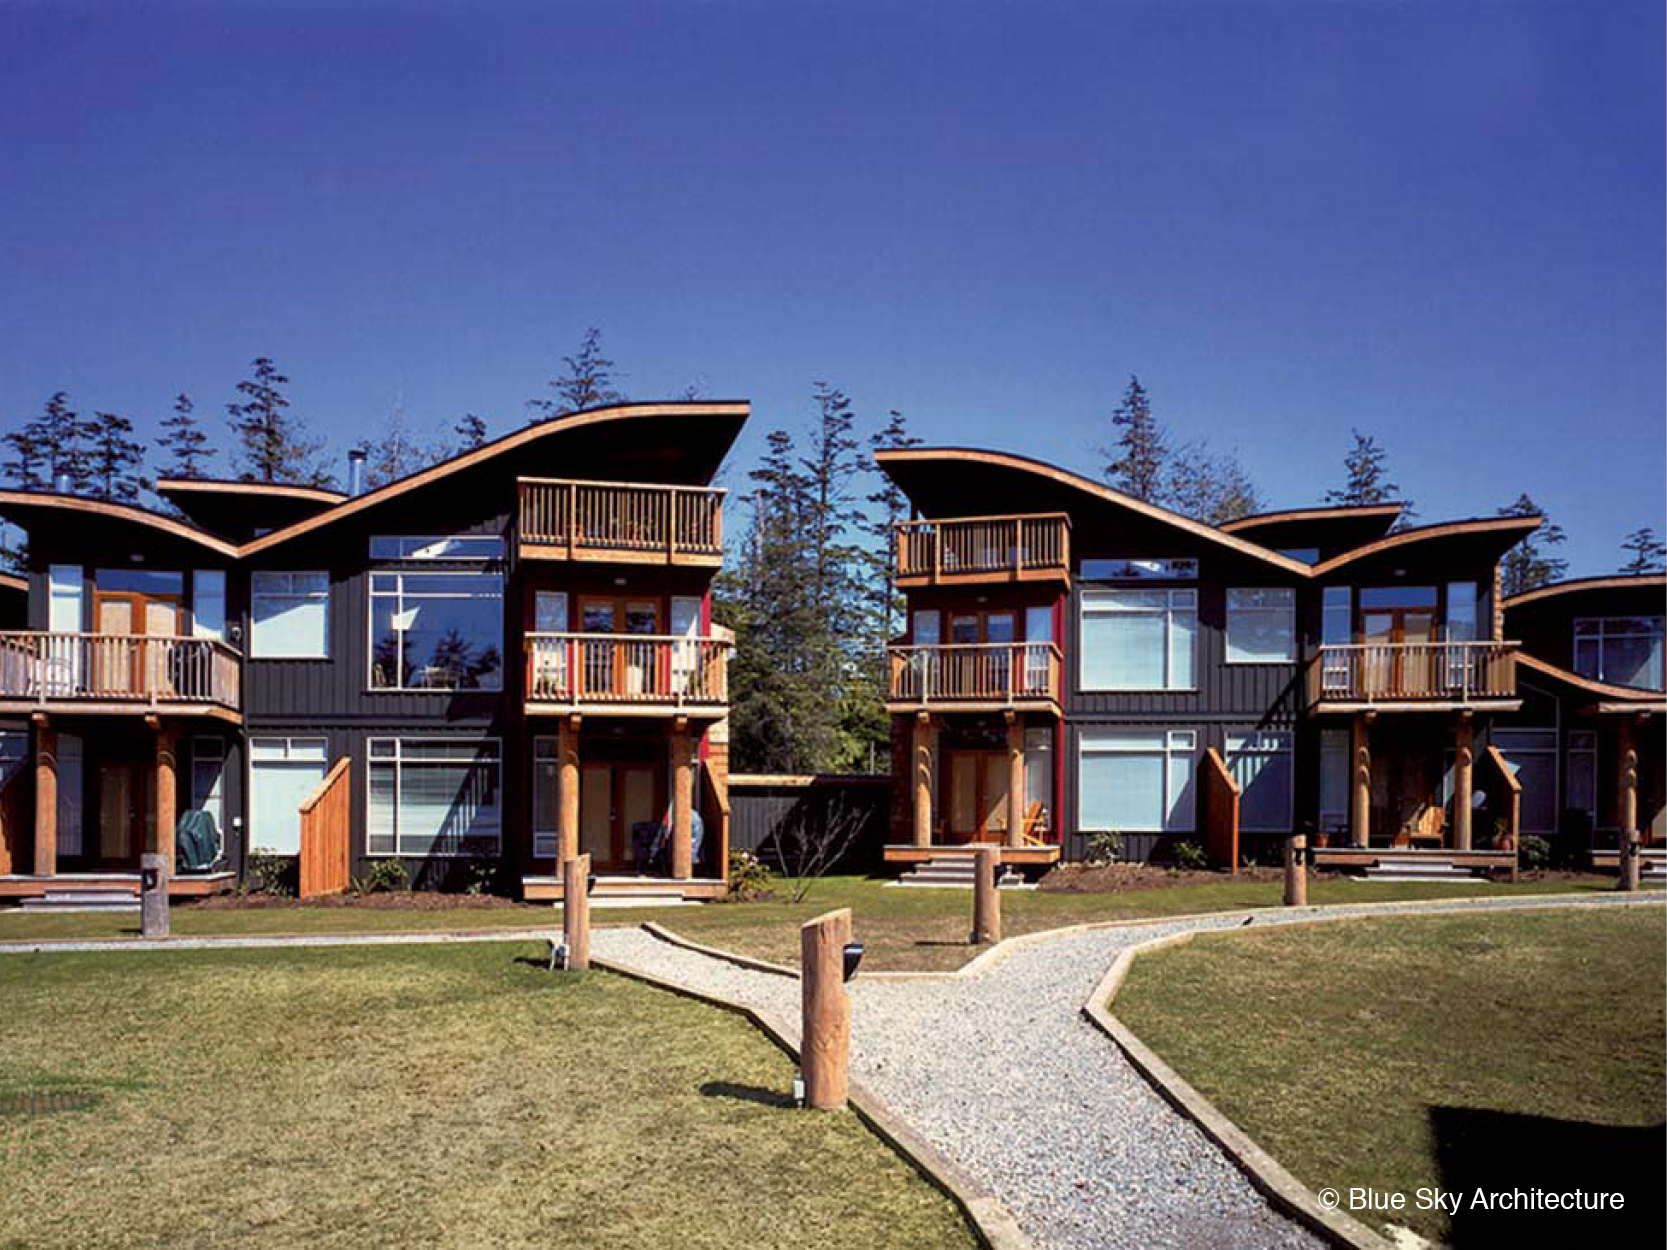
(1429, 829)
(1033, 821)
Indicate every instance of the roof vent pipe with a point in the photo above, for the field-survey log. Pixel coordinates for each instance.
(60, 482)
(356, 471)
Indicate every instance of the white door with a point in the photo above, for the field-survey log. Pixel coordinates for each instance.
(282, 773)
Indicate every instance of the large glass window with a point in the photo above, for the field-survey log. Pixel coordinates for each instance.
(433, 796)
(208, 603)
(1620, 650)
(1261, 764)
(64, 610)
(546, 797)
(1334, 779)
(208, 766)
(1138, 639)
(290, 616)
(1261, 626)
(436, 631)
(1583, 775)
(1039, 773)
(1532, 756)
(1136, 781)
(1461, 611)
(283, 772)
(1336, 616)
(1139, 570)
(435, 547)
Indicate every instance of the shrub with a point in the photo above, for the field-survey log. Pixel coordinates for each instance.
(385, 876)
(1189, 854)
(266, 872)
(1535, 853)
(1104, 848)
(749, 877)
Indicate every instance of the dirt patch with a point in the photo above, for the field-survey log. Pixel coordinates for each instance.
(386, 900)
(1126, 878)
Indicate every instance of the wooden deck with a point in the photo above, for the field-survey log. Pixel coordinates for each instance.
(542, 889)
(909, 853)
(196, 885)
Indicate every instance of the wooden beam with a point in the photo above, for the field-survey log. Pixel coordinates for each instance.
(1464, 759)
(167, 795)
(46, 799)
(1360, 763)
(1015, 781)
(682, 801)
(825, 1008)
(575, 911)
(986, 903)
(567, 789)
(923, 779)
(1626, 758)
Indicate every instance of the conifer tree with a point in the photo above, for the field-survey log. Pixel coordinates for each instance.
(1528, 564)
(29, 463)
(889, 507)
(1139, 450)
(397, 453)
(274, 445)
(1210, 486)
(470, 431)
(184, 442)
(1649, 553)
(1367, 481)
(588, 382)
(115, 459)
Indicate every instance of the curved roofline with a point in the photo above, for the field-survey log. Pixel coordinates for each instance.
(1024, 464)
(218, 485)
(1631, 693)
(1612, 581)
(1311, 514)
(1423, 533)
(508, 442)
(119, 512)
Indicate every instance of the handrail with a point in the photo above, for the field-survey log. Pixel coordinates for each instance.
(639, 517)
(66, 665)
(975, 547)
(980, 672)
(666, 669)
(1455, 670)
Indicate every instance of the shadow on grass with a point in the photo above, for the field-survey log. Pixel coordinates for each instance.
(1499, 1152)
(747, 1093)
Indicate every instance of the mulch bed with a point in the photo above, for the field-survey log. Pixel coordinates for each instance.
(387, 900)
(1125, 878)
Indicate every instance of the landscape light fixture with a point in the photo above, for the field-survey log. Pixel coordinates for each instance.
(558, 955)
(853, 957)
(590, 883)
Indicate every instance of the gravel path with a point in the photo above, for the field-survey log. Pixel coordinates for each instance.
(1000, 1071)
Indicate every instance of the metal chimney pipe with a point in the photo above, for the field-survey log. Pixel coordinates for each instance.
(60, 481)
(356, 471)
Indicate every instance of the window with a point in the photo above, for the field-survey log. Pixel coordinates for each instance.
(1136, 781)
(1621, 650)
(1336, 617)
(546, 797)
(430, 547)
(208, 765)
(1140, 570)
(1138, 639)
(436, 631)
(64, 600)
(1335, 750)
(1583, 775)
(1039, 774)
(433, 796)
(282, 773)
(1461, 611)
(1261, 764)
(1261, 626)
(1308, 555)
(290, 616)
(208, 603)
(925, 629)
(1532, 755)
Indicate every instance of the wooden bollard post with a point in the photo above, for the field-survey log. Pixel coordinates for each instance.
(986, 903)
(1296, 871)
(575, 911)
(1629, 862)
(825, 1048)
(153, 895)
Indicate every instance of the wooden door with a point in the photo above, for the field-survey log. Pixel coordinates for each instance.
(121, 812)
(138, 667)
(634, 784)
(612, 799)
(596, 813)
(1408, 668)
(615, 667)
(978, 795)
(984, 671)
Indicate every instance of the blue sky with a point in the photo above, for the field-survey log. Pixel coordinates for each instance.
(1442, 224)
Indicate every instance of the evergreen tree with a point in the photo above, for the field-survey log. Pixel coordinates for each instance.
(1528, 564)
(64, 438)
(470, 431)
(184, 441)
(889, 507)
(1210, 486)
(1649, 553)
(588, 383)
(115, 459)
(274, 443)
(397, 453)
(1140, 451)
(29, 463)
(1367, 480)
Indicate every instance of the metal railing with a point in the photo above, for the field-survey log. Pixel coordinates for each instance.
(972, 547)
(601, 517)
(137, 668)
(627, 668)
(987, 672)
(1417, 672)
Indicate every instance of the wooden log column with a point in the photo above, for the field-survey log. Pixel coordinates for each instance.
(1629, 865)
(1015, 781)
(575, 911)
(682, 799)
(923, 779)
(567, 788)
(167, 794)
(1296, 871)
(46, 799)
(986, 903)
(1464, 760)
(1360, 764)
(825, 1051)
(1626, 758)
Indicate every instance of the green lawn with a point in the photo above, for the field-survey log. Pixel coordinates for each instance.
(903, 929)
(448, 1096)
(1500, 1051)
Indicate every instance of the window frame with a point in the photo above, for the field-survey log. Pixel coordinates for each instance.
(406, 550)
(1168, 612)
(1290, 615)
(1601, 634)
(1230, 755)
(325, 596)
(1167, 751)
(400, 573)
(398, 761)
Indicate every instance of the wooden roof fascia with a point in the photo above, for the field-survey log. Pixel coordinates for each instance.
(1342, 511)
(1612, 581)
(1425, 533)
(1626, 694)
(119, 512)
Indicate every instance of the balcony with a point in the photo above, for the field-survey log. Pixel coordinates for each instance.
(967, 550)
(975, 677)
(627, 674)
(1413, 676)
(620, 522)
(118, 673)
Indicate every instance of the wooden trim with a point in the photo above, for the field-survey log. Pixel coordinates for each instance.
(1425, 533)
(1612, 582)
(118, 512)
(226, 486)
(1023, 464)
(10, 582)
(326, 822)
(1311, 514)
(1646, 698)
(1221, 812)
(510, 442)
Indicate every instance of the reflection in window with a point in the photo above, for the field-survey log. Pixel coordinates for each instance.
(436, 631)
(1620, 650)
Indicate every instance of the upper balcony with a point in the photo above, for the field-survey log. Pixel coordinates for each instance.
(627, 674)
(119, 673)
(964, 550)
(1413, 676)
(620, 522)
(975, 677)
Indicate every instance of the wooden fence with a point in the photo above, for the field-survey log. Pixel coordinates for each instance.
(768, 811)
(326, 816)
(1221, 813)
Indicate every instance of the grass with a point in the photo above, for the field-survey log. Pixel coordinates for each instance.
(920, 930)
(450, 1096)
(1497, 1051)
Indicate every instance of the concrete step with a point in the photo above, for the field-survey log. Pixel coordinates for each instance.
(956, 873)
(1417, 868)
(82, 900)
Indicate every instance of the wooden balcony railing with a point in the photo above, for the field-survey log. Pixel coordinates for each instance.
(118, 668)
(994, 673)
(1412, 672)
(623, 521)
(654, 670)
(993, 548)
